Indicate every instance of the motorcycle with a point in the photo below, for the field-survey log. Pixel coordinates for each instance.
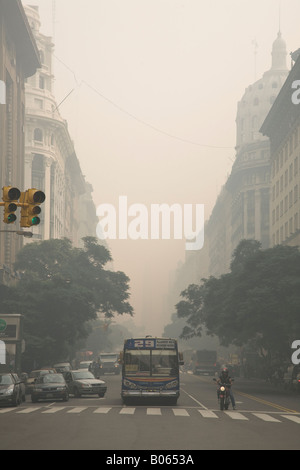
(223, 395)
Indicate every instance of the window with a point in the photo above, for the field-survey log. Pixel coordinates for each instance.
(41, 82)
(38, 135)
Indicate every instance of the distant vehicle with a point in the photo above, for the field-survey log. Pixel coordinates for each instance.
(50, 386)
(206, 362)
(29, 382)
(85, 364)
(10, 389)
(83, 382)
(62, 367)
(109, 362)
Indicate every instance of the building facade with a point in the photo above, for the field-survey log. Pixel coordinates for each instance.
(19, 59)
(242, 210)
(282, 127)
(51, 163)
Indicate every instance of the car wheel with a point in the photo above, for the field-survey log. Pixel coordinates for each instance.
(101, 395)
(33, 399)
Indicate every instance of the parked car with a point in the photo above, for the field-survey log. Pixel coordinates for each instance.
(10, 389)
(50, 386)
(62, 367)
(29, 383)
(83, 382)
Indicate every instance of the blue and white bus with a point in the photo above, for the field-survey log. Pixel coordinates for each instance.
(150, 369)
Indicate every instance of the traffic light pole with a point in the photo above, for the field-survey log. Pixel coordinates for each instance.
(19, 232)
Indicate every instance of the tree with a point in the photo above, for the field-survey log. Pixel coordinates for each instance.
(61, 290)
(259, 299)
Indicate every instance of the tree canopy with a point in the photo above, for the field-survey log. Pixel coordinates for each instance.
(259, 299)
(61, 289)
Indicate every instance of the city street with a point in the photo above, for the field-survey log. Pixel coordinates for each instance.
(266, 418)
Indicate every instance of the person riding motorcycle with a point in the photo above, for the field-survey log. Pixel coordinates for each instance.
(224, 378)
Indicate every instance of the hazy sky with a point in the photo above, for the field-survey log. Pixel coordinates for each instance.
(154, 89)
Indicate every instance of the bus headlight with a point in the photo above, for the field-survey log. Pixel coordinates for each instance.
(129, 384)
(172, 384)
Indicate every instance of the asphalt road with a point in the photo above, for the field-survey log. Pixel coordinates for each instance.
(266, 419)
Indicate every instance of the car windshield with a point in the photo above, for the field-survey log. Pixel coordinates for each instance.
(52, 378)
(6, 379)
(37, 373)
(83, 375)
(108, 357)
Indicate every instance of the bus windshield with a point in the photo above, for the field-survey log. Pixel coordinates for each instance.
(154, 362)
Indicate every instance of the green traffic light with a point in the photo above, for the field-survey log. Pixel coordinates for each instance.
(35, 220)
(11, 218)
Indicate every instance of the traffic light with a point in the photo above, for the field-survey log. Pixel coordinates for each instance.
(30, 207)
(10, 197)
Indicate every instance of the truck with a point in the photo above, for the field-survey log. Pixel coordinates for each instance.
(205, 362)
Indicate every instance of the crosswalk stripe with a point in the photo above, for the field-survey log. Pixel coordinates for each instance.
(6, 410)
(296, 419)
(102, 410)
(207, 414)
(266, 417)
(180, 412)
(77, 409)
(127, 411)
(235, 415)
(54, 409)
(154, 411)
(28, 410)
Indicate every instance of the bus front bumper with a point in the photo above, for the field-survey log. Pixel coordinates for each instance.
(150, 393)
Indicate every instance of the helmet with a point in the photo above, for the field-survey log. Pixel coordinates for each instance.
(224, 371)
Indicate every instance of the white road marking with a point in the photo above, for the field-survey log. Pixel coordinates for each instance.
(296, 419)
(207, 414)
(102, 410)
(127, 411)
(180, 412)
(77, 409)
(154, 411)
(235, 415)
(54, 409)
(266, 417)
(28, 410)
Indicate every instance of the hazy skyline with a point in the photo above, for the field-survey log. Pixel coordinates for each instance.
(153, 89)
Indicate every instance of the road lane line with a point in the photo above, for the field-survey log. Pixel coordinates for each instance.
(200, 404)
(265, 402)
(180, 412)
(266, 417)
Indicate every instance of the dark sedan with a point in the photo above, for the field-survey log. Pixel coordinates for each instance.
(50, 386)
(83, 382)
(10, 389)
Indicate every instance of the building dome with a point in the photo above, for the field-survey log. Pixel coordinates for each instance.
(260, 96)
(279, 53)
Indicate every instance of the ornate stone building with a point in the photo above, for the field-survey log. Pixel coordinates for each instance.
(19, 59)
(51, 163)
(282, 126)
(242, 210)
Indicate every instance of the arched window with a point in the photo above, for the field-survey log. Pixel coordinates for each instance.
(38, 135)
